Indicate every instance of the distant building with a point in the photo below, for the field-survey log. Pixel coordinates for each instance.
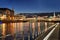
(19, 17)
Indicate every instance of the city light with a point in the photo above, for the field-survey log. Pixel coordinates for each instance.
(49, 19)
(21, 26)
(3, 17)
(3, 29)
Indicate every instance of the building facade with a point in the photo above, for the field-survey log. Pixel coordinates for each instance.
(7, 13)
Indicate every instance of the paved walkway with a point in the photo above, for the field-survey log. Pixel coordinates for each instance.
(53, 36)
(41, 36)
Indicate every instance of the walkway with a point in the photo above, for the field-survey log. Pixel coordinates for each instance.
(51, 34)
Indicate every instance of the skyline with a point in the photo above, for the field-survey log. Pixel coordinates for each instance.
(28, 6)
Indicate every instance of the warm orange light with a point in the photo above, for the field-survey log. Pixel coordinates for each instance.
(3, 29)
(3, 17)
(38, 26)
(49, 19)
(21, 26)
(33, 26)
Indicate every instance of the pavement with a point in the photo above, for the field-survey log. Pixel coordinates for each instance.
(41, 36)
(56, 34)
(53, 36)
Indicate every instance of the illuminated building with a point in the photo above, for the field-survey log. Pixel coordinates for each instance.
(19, 17)
(6, 14)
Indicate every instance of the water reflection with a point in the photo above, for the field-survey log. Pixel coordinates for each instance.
(22, 30)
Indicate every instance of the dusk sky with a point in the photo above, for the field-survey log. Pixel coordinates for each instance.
(23, 6)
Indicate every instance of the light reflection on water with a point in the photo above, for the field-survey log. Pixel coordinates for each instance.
(20, 30)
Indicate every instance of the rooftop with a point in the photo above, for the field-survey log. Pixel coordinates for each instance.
(6, 9)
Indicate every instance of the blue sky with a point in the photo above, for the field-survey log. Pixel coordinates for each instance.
(23, 6)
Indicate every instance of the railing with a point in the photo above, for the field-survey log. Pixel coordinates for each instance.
(46, 38)
(47, 35)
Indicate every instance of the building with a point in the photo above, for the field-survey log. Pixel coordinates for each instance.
(19, 17)
(6, 13)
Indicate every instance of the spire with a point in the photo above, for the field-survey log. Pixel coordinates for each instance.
(54, 14)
